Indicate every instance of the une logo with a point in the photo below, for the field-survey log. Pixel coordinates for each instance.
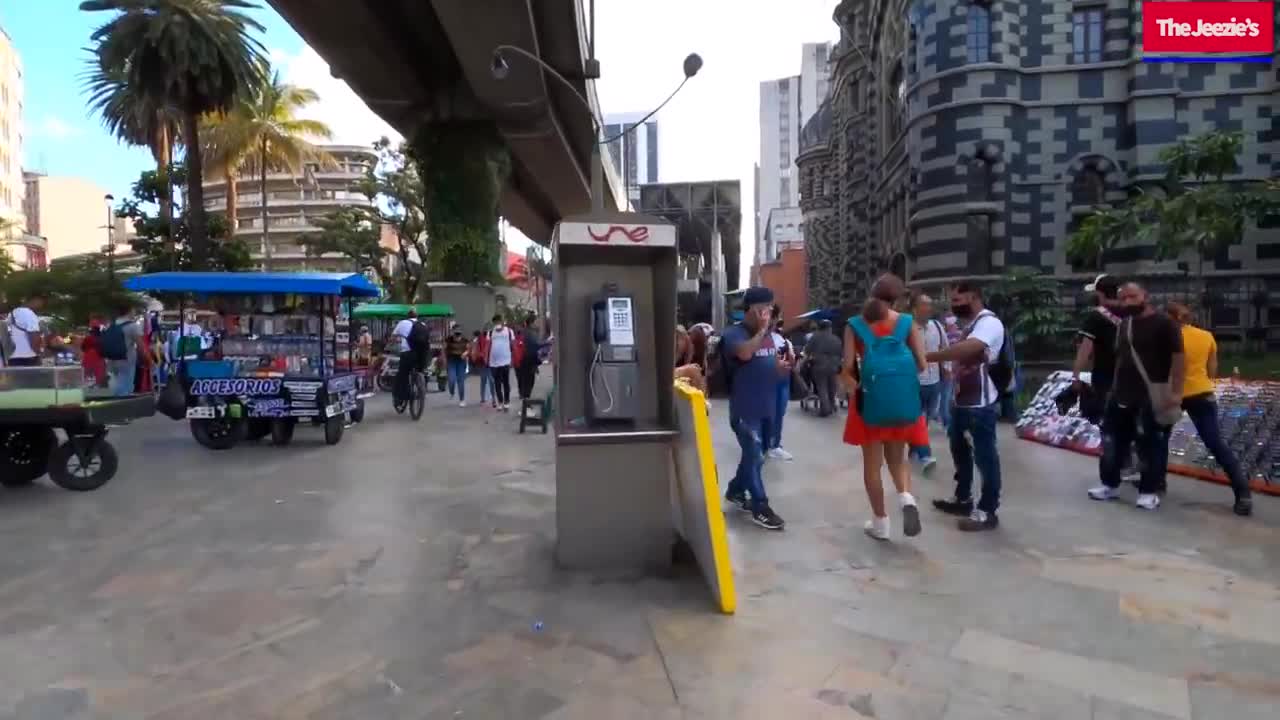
(635, 235)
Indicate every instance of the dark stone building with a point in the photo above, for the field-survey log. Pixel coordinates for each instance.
(965, 138)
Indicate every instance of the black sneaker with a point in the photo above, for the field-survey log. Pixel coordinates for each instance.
(738, 501)
(1243, 507)
(978, 521)
(766, 518)
(955, 506)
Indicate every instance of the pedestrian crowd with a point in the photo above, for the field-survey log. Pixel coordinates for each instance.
(900, 366)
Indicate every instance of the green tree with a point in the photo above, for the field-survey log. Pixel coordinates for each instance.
(196, 56)
(77, 290)
(263, 132)
(1028, 303)
(135, 119)
(166, 244)
(1194, 207)
(398, 201)
(354, 234)
(463, 167)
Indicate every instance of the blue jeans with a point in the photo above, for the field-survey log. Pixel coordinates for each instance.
(485, 381)
(773, 430)
(980, 423)
(1203, 410)
(930, 395)
(456, 368)
(1120, 432)
(944, 402)
(122, 374)
(749, 479)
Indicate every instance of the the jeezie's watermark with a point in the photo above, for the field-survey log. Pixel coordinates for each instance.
(1208, 31)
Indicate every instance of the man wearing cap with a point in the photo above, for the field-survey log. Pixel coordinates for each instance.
(752, 370)
(1097, 349)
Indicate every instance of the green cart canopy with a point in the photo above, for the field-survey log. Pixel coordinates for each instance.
(384, 311)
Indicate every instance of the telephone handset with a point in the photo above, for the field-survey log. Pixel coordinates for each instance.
(613, 375)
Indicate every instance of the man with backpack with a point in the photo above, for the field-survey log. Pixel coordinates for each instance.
(22, 341)
(982, 373)
(413, 343)
(120, 345)
(525, 356)
(751, 370)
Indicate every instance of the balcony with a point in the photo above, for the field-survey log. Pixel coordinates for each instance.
(290, 200)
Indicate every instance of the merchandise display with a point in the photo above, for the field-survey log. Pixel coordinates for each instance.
(1248, 415)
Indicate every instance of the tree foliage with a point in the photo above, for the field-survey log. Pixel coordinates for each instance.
(1193, 208)
(463, 166)
(194, 56)
(1028, 303)
(399, 202)
(77, 290)
(159, 250)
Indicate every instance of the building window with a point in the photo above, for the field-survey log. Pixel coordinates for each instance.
(981, 182)
(1089, 188)
(1086, 35)
(978, 37)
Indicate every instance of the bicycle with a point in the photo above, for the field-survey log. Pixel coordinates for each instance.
(417, 400)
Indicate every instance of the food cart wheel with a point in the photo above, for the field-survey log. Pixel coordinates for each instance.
(258, 428)
(217, 433)
(357, 413)
(333, 428)
(24, 453)
(282, 431)
(83, 463)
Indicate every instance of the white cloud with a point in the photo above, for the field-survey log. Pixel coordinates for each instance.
(56, 128)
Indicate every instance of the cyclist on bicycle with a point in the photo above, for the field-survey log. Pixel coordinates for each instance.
(413, 343)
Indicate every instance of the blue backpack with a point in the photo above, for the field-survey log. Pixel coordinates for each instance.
(890, 382)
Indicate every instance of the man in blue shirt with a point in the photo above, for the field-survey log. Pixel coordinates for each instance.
(751, 362)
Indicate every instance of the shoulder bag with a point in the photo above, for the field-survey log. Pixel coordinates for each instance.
(1161, 394)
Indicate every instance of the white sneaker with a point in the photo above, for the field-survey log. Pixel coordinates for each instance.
(1148, 501)
(780, 454)
(462, 404)
(1102, 492)
(877, 528)
(910, 514)
(929, 464)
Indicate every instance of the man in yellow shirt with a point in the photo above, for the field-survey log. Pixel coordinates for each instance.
(1198, 399)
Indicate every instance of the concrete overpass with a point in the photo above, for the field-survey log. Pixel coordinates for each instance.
(416, 62)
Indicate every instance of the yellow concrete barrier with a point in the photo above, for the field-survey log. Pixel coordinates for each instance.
(696, 495)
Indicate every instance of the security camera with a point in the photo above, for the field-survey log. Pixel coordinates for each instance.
(498, 66)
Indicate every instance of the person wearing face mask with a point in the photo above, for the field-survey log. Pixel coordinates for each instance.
(978, 372)
(1147, 393)
(455, 354)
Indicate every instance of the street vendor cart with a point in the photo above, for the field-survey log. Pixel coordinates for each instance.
(284, 354)
(381, 319)
(36, 402)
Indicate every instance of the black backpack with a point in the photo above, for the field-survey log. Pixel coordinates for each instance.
(113, 343)
(419, 336)
(1001, 371)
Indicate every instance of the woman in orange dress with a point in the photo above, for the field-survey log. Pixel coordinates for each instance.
(883, 445)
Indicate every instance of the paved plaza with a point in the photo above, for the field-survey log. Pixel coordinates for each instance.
(407, 573)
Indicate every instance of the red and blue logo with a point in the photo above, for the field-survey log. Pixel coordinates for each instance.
(1208, 31)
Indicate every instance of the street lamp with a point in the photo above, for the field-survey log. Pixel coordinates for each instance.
(500, 69)
(111, 235)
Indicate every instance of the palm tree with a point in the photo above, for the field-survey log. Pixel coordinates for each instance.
(264, 132)
(196, 56)
(136, 120)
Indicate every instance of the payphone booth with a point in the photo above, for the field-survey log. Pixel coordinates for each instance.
(614, 300)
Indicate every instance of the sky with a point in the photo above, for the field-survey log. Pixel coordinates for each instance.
(708, 132)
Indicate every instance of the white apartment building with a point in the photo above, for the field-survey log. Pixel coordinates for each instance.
(26, 250)
(635, 153)
(294, 203)
(786, 105)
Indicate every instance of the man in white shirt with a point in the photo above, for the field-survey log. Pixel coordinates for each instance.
(976, 410)
(931, 380)
(408, 357)
(501, 343)
(24, 332)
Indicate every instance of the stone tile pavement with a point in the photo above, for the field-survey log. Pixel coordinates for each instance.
(407, 574)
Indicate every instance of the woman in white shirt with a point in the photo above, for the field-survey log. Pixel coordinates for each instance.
(502, 341)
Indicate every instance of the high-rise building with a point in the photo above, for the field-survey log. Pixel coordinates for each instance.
(786, 105)
(634, 152)
(294, 203)
(25, 250)
(70, 214)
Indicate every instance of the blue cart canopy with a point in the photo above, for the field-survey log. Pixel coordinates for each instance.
(255, 283)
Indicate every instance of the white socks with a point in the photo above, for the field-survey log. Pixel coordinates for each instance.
(905, 499)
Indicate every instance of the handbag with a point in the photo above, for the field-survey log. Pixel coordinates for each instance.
(1166, 413)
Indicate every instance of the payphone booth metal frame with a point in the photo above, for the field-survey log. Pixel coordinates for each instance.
(613, 478)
